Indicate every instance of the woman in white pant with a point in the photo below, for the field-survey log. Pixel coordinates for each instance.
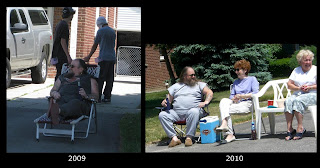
(240, 97)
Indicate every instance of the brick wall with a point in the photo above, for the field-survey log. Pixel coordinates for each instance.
(156, 71)
(57, 17)
(86, 31)
(111, 19)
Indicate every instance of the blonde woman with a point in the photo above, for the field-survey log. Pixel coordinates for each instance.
(303, 81)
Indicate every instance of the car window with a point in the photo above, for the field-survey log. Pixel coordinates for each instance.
(13, 18)
(23, 17)
(38, 17)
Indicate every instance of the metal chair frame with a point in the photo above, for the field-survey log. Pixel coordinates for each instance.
(93, 70)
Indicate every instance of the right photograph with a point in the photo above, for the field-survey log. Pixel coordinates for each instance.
(242, 97)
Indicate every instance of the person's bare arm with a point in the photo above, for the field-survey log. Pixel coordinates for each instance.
(292, 86)
(94, 90)
(164, 101)
(54, 91)
(93, 49)
(65, 49)
(209, 94)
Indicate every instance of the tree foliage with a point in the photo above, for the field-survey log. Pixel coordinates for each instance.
(214, 63)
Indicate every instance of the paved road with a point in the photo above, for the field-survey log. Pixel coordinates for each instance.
(267, 143)
(27, 101)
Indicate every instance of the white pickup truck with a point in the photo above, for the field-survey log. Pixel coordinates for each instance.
(29, 42)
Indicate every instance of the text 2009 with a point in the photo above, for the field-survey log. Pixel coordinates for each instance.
(75, 158)
(232, 158)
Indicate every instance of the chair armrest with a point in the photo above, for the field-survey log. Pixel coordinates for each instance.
(77, 120)
(91, 100)
(255, 100)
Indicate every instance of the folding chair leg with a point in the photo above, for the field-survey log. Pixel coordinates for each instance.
(95, 118)
(72, 135)
(37, 132)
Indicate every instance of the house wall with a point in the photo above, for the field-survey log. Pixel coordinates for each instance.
(156, 71)
(86, 30)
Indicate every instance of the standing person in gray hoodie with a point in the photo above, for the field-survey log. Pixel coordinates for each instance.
(105, 38)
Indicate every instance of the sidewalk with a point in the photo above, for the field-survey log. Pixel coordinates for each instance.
(27, 101)
(267, 143)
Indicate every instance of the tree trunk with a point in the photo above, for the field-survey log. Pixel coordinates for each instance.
(163, 51)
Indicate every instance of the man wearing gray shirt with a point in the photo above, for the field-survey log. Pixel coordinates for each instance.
(187, 105)
(105, 38)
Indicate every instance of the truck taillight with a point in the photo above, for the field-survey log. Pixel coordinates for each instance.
(50, 37)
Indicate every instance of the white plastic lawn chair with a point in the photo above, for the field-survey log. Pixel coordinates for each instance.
(250, 111)
(278, 87)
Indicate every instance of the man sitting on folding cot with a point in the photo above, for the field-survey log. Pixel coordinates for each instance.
(69, 91)
(187, 105)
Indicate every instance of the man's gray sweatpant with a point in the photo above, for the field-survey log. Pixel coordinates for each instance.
(192, 119)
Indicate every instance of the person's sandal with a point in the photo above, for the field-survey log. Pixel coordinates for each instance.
(174, 143)
(223, 129)
(290, 135)
(299, 135)
(188, 142)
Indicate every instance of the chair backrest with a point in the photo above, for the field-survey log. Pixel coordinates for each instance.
(279, 86)
(231, 87)
(93, 70)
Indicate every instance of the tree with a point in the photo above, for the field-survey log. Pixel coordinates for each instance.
(213, 63)
(164, 50)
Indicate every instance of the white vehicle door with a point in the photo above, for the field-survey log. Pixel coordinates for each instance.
(24, 39)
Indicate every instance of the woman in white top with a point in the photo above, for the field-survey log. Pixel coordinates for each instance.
(303, 81)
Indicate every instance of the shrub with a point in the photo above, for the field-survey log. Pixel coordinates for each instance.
(262, 77)
(280, 67)
(293, 63)
(214, 63)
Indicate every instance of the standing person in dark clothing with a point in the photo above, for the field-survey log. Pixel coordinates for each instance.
(106, 37)
(61, 40)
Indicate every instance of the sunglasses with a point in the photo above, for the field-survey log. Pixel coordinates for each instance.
(237, 69)
(71, 66)
(192, 75)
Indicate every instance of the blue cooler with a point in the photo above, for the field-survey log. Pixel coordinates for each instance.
(207, 129)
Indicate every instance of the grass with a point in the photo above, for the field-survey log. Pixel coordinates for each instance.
(153, 129)
(130, 133)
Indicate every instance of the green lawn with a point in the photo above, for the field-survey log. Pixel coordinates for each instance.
(130, 133)
(154, 131)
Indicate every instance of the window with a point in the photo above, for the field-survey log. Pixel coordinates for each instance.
(23, 17)
(38, 17)
(13, 18)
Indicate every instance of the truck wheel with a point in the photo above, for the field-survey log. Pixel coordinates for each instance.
(39, 73)
(8, 74)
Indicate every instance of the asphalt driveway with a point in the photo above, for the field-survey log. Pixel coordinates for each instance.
(27, 101)
(267, 143)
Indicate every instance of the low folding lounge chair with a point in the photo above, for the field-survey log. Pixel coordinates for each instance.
(94, 71)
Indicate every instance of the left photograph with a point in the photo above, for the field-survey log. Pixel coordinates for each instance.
(73, 79)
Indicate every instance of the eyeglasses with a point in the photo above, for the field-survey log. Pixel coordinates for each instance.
(192, 75)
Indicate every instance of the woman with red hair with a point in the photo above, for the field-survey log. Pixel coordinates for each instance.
(239, 100)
